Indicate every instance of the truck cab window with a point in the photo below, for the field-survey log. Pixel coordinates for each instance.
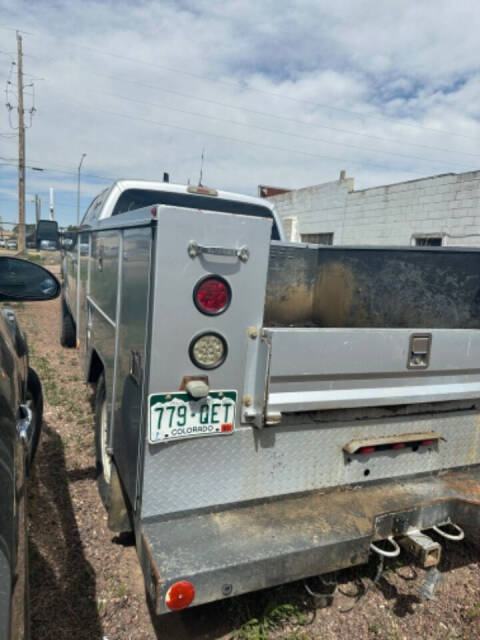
(132, 199)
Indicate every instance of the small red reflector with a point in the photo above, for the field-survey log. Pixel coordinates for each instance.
(366, 450)
(399, 445)
(212, 295)
(427, 443)
(153, 212)
(180, 595)
(227, 427)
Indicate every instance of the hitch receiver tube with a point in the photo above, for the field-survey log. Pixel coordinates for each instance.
(424, 549)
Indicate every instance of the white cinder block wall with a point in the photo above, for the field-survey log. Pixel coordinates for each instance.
(446, 205)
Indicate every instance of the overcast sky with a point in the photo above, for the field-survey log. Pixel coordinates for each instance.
(279, 93)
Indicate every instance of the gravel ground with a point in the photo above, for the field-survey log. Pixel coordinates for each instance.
(86, 583)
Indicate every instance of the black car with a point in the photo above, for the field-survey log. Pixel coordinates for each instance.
(21, 406)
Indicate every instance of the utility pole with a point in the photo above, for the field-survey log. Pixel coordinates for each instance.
(21, 148)
(52, 205)
(38, 208)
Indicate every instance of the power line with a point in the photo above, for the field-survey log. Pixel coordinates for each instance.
(70, 173)
(285, 118)
(234, 83)
(283, 133)
(264, 92)
(57, 202)
(19, 31)
(232, 139)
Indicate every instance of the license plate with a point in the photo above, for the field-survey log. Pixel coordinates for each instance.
(177, 415)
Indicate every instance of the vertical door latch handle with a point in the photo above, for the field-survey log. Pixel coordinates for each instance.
(419, 348)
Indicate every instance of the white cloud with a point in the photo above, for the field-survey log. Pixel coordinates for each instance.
(347, 86)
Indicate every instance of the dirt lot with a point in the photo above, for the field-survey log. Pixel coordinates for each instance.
(86, 583)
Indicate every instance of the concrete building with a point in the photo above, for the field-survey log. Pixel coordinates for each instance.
(438, 210)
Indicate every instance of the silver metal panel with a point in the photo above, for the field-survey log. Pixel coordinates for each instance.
(104, 270)
(81, 326)
(128, 406)
(338, 368)
(298, 455)
(102, 339)
(70, 284)
(93, 305)
(176, 320)
(104, 266)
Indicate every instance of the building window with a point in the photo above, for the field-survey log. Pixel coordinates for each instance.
(317, 238)
(427, 241)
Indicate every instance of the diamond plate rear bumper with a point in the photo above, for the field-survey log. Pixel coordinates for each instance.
(244, 548)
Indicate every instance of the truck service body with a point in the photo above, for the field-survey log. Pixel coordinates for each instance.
(269, 411)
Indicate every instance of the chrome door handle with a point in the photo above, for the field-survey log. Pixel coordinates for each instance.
(194, 249)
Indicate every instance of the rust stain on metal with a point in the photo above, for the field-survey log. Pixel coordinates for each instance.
(289, 304)
(333, 294)
(154, 573)
(290, 289)
(346, 287)
(473, 449)
(463, 483)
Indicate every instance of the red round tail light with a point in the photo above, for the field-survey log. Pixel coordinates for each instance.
(212, 295)
(180, 595)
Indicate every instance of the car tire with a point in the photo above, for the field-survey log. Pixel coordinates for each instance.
(103, 459)
(68, 335)
(34, 400)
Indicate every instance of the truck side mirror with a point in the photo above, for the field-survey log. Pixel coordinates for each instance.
(47, 231)
(21, 280)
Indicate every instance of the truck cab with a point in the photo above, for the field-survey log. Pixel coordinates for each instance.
(128, 195)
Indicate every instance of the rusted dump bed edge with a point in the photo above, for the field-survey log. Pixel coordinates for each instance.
(252, 547)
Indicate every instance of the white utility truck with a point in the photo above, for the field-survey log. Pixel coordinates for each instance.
(268, 411)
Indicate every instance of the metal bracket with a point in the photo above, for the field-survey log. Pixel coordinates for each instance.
(195, 249)
(450, 536)
(385, 553)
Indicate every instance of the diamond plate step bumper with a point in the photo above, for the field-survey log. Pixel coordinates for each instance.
(244, 548)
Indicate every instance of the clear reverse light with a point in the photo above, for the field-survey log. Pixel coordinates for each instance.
(208, 351)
